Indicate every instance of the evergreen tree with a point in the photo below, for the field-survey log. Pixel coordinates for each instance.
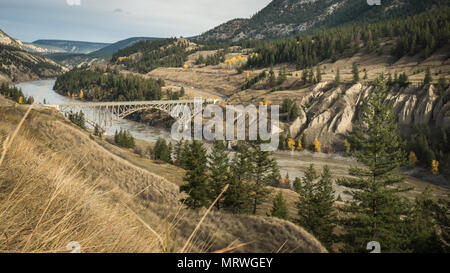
(305, 76)
(279, 207)
(218, 166)
(196, 178)
(161, 150)
(237, 198)
(428, 78)
(319, 74)
(178, 152)
(337, 78)
(424, 228)
(315, 205)
(355, 72)
(262, 173)
(375, 209)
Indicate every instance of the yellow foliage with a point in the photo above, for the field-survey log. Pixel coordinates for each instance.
(261, 103)
(68, 94)
(81, 94)
(413, 159)
(20, 100)
(435, 167)
(122, 58)
(268, 102)
(291, 144)
(317, 145)
(299, 145)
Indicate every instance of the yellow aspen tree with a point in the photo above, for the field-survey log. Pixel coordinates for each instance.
(291, 144)
(317, 145)
(81, 94)
(261, 103)
(20, 100)
(412, 159)
(299, 145)
(435, 167)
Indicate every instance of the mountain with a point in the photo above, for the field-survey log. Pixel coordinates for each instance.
(7, 40)
(17, 64)
(288, 17)
(71, 46)
(113, 48)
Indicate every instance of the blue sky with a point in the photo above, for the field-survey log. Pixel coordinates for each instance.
(113, 20)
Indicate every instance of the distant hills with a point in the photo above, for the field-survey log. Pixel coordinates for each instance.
(113, 48)
(287, 17)
(18, 64)
(71, 46)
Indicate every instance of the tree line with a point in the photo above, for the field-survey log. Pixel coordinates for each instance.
(96, 85)
(425, 32)
(15, 94)
(153, 54)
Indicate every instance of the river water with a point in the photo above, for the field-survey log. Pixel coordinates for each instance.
(43, 91)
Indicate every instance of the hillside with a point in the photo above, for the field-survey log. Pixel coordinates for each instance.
(288, 17)
(71, 46)
(113, 48)
(16, 64)
(83, 192)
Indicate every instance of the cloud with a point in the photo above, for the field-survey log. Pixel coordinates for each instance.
(118, 10)
(73, 2)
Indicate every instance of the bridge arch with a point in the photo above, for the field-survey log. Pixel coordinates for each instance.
(105, 114)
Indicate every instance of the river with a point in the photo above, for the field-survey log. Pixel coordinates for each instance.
(42, 90)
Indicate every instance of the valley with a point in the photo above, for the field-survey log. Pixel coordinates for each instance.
(363, 131)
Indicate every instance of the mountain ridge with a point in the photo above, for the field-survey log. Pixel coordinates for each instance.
(289, 17)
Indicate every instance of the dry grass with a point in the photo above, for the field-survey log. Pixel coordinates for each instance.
(59, 186)
(44, 205)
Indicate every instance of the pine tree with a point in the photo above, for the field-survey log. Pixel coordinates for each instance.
(355, 72)
(178, 152)
(428, 78)
(279, 207)
(337, 78)
(319, 74)
(237, 199)
(262, 167)
(424, 225)
(196, 178)
(315, 205)
(218, 166)
(375, 209)
(304, 76)
(161, 150)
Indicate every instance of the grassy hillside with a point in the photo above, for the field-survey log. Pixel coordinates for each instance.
(70, 188)
(19, 65)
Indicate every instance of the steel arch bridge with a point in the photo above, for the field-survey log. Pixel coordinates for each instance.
(104, 114)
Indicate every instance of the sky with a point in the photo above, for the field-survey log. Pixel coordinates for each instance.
(113, 20)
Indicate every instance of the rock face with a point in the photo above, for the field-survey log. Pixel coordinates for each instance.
(332, 111)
